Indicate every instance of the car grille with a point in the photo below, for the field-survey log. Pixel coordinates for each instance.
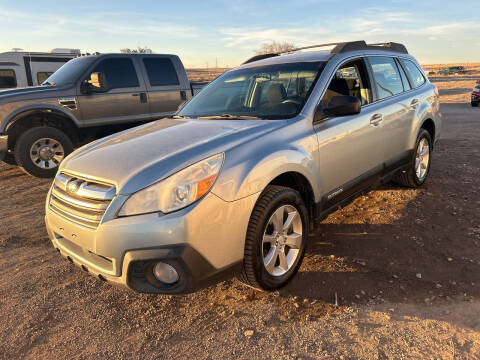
(79, 200)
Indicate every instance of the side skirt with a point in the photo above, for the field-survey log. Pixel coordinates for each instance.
(345, 194)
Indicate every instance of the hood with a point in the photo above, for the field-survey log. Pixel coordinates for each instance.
(138, 157)
(28, 92)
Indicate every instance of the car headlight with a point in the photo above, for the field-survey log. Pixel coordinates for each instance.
(177, 191)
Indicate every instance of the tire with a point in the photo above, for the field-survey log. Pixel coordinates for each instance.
(39, 151)
(474, 103)
(280, 201)
(410, 177)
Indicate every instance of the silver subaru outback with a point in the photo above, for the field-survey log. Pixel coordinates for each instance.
(234, 181)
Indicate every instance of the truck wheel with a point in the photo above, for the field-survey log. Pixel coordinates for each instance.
(418, 170)
(39, 151)
(474, 103)
(276, 237)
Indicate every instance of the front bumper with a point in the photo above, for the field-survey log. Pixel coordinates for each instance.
(3, 146)
(204, 242)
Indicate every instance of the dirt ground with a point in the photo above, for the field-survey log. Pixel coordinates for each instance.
(394, 275)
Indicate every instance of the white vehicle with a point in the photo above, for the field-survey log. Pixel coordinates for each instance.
(20, 69)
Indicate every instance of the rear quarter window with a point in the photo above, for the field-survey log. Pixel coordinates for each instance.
(160, 71)
(7, 79)
(42, 76)
(413, 73)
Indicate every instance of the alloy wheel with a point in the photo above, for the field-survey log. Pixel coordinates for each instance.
(47, 153)
(282, 240)
(422, 159)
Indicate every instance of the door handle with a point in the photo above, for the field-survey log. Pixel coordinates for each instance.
(376, 119)
(414, 103)
(143, 96)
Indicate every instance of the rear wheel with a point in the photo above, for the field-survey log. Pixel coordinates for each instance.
(417, 172)
(276, 239)
(474, 103)
(40, 150)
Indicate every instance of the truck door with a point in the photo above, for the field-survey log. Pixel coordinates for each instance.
(167, 88)
(125, 99)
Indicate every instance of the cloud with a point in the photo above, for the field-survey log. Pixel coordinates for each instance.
(368, 23)
(115, 23)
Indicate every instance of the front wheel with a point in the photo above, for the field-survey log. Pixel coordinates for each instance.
(40, 150)
(276, 239)
(417, 172)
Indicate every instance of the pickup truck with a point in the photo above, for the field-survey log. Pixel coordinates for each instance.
(453, 70)
(87, 98)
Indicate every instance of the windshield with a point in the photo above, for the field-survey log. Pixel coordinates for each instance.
(69, 72)
(267, 92)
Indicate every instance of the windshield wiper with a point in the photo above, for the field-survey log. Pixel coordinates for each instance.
(48, 83)
(230, 116)
(180, 117)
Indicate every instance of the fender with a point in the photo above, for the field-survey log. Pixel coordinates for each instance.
(36, 109)
(254, 172)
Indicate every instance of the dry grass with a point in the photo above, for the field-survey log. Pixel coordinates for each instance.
(473, 69)
(204, 74)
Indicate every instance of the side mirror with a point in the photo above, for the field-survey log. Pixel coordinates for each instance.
(97, 83)
(343, 105)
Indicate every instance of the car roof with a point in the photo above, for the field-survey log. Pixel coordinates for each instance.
(322, 55)
(126, 55)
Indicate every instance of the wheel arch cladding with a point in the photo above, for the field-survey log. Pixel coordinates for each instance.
(40, 117)
(429, 125)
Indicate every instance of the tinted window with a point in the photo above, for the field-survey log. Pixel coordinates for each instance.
(7, 79)
(387, 78)
(276, 91)
(160, 71)
(413, 73)
(119, 73)
(70, 71)
(42, 76)
(406, 84)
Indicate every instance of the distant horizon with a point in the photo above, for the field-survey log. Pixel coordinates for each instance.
(224, 33)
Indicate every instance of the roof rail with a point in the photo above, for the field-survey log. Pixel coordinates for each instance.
(362, 45)
(340, 47)
(260, 57)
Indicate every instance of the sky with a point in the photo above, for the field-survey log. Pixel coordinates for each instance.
(209, 32)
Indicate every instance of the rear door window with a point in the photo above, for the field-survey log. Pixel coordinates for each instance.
(119, 73)
(7, 79)
(386, 75)
(414, 74)
(160, 71)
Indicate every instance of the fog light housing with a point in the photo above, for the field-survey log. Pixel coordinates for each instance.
(165, 273)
